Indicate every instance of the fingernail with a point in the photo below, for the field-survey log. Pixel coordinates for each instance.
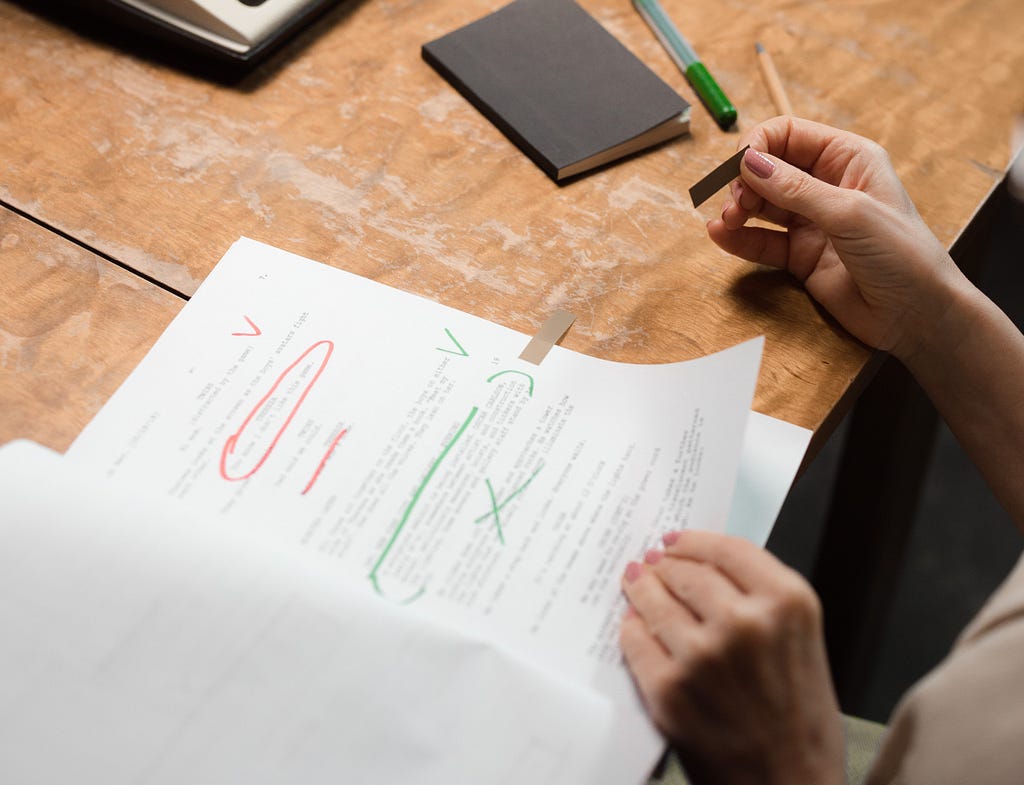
(653, 556)
(671, 538)
(758, 164)
(633, 570)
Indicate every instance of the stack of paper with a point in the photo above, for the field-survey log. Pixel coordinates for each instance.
(411, 472)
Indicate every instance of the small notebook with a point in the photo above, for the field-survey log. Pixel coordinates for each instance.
(559, 85)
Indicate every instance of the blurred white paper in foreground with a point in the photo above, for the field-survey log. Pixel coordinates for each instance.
(145, 645)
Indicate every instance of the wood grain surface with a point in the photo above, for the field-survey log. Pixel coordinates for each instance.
(72, 327)
(350, 150)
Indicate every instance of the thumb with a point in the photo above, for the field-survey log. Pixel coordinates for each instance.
(796, 191)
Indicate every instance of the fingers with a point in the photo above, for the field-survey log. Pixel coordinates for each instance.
(816, 148)
(698, 586)
(654, 670)
(793, 190)
(744, 204)
(667, 619)
(796, 166)
(748, 201)
(644, 653)
(749, 567)
(673, 597)
(755, 244)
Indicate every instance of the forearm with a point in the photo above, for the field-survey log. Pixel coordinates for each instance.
(971, 364)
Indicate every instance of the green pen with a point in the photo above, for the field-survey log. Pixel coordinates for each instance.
(693, 69)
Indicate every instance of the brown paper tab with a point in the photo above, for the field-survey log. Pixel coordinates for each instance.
(723, 174)
(548, 335)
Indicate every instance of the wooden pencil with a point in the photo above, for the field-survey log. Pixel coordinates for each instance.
(772, 81)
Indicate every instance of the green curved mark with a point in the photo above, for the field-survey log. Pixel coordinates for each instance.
(496, 508)
(460, 353)
(412, 503)
(408, 600)
(521, 373)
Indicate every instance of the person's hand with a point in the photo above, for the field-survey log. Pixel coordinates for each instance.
(851, 233)
(726, 646)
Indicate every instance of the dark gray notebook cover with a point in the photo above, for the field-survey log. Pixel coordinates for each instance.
(554, 81)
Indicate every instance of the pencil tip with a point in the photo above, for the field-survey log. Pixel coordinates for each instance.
(758, 47)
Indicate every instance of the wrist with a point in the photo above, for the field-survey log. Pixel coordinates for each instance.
(937, 314)
(952, 342)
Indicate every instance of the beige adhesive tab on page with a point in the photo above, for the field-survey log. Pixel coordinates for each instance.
(548, 335)
(723, 174)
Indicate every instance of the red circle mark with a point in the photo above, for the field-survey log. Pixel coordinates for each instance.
(232, 440)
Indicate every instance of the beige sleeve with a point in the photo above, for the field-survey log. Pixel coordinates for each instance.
(963, 724)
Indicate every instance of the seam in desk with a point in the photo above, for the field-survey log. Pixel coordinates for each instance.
(93, 250)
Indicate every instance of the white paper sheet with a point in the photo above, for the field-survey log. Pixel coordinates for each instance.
(142, 644)
(771, 455)
(407, 442)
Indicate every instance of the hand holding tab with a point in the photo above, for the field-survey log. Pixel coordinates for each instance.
(844, 226)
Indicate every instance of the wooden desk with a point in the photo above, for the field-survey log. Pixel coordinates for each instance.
(72, 327)
(356, 153)
(350, 150)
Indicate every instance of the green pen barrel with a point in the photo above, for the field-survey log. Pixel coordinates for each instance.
(711, 94)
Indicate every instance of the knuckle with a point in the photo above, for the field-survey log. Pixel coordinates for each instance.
(796, 602)
(876, 151)
(748, 625)
(709, 651)
(704, 649)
